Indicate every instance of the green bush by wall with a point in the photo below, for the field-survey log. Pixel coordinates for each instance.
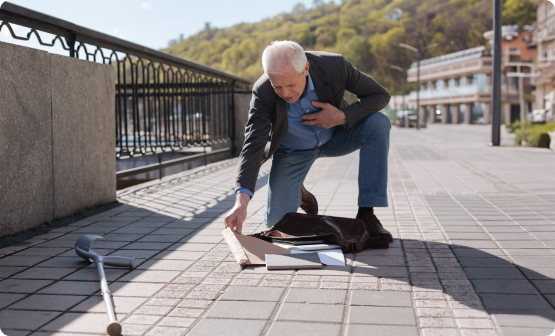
(531, 135)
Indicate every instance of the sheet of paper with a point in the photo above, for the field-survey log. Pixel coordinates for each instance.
(328, 257)
(248, 250)
(315, 247)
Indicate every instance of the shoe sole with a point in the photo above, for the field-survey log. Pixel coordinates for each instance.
(378, 243)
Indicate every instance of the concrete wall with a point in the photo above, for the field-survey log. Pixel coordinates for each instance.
(26, 185)
(242, 106)
(57, 136)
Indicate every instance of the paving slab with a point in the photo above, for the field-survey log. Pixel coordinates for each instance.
(380, 298)
(48, 302)
(382, 315)
(365, 329)
(305, 295)
(210, 327)
(304, 329)
(240, 293)
(311, 312)
(242, 310)
(25, 319)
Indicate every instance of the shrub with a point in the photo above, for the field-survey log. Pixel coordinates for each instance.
(533, 135)
(544, 140)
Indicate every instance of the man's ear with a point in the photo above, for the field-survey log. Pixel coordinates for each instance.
(306, 69)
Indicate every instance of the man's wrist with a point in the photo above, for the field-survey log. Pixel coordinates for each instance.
(343, 120)
(242, 199)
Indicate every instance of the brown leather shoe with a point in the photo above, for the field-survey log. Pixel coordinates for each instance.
(374, 227)
(308, 202)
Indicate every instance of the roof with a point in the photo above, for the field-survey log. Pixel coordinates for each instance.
(471, 53)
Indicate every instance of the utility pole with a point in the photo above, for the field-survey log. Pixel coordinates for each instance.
(418, 89)
(417, 51)
(404, 74)
(496, 93)
(395, 100)
(520, 76)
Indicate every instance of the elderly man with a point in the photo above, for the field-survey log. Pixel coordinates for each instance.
(298, 114)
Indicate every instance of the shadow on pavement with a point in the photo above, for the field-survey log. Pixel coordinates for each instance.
(47, 287)
(520, 299)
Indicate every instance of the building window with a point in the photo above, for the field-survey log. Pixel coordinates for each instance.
(462, 81)
(479, 80)
(451, 83)
(477, 116)
(514, 50)
(440, 84)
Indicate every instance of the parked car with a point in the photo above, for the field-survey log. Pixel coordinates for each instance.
(402, 118)
(538, 116)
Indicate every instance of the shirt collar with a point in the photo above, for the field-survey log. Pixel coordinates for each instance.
(310, 84)
(309, 87)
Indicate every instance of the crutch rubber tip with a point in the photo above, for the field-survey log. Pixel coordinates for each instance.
(114, 329)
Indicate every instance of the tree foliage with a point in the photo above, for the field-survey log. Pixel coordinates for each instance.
(519, 12)
(361, 30)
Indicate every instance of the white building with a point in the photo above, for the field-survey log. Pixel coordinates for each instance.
(544, 39)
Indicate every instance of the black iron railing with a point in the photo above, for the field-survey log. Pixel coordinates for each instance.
(163, 102)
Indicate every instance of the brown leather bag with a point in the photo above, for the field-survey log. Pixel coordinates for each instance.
(347, 232)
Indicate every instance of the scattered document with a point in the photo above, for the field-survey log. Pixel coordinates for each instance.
(329, 257)
(290, 261)
(299, 242)
(312, 247)
(249, 250)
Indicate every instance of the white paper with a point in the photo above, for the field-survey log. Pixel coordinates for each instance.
(328, 257)
(313, 247)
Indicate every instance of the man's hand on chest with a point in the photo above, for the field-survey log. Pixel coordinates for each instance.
(328, 117)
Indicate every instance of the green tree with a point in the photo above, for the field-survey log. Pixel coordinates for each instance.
(358, 29)
(519, 12)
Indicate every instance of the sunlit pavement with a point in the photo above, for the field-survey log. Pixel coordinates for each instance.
(474, 253)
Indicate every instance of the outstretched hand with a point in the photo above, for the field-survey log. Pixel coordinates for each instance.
(329, 117)
(235, 218)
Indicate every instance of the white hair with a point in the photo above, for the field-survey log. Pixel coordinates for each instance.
(279, 54)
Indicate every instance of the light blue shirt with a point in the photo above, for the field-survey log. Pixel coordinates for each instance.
(301, 136)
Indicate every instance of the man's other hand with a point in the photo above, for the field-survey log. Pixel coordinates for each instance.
(329, 117)
(238, 214)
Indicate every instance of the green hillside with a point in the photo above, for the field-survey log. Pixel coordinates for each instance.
(366, 32)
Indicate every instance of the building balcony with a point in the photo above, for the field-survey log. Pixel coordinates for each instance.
(452, 92)
(545, 30)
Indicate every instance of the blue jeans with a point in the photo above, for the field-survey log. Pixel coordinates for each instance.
(370, 135)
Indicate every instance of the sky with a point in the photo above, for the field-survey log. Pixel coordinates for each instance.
(151, 23)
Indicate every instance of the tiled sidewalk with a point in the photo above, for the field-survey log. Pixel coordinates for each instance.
(475, 254)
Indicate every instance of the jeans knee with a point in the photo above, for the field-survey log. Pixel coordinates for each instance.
(377, 123)
(270, 220)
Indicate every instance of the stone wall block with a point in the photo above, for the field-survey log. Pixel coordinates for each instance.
(242, 107)
(83, 128)
(25, 139)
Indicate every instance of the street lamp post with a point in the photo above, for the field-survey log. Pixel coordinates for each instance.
(496, 92)
(521, 75)
(404, 74)
(417, 51)
(417, 81)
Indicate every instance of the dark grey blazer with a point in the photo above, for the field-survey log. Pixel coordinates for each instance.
(267, 125)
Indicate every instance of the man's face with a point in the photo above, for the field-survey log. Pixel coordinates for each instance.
(289, 85)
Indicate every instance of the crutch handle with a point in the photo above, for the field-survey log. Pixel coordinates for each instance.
(119, 261)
